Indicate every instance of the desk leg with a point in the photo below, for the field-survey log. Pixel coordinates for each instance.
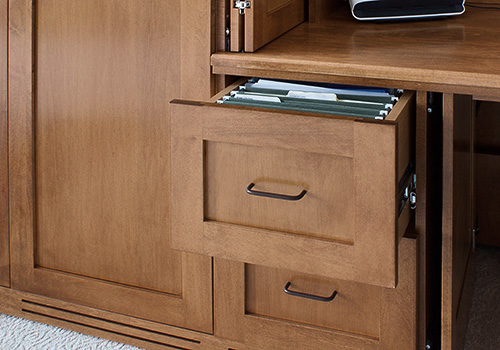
(457, 247)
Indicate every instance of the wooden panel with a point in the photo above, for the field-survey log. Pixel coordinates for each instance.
(100, 167)
(347, 51)
(396, 311)
(458, 131)
(202, 133)
(89, 218)
(355, 309)
(4, 194)
(266, 20)
(488, 127)
(236, 29)
(320, 10)
(488, 171)
(326, 211)
(488, 188)
(123, 329)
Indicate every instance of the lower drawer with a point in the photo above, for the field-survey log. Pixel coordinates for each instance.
(252, 307)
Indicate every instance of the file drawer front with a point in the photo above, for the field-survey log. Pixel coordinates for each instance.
(326, 210)
(237, 174)
(354, 309)
(251, 307)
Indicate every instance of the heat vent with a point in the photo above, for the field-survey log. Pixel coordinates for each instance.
(166, 340)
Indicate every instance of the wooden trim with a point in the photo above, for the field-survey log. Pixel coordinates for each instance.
(4, 189)
(124, 329)
(21, 153)
(457, 217)
(237, 30)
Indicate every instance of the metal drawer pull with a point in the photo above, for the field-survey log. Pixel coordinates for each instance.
(308, 296)
(275, 195)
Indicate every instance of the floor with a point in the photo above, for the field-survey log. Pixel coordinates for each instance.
(483, 331)
(19, 334)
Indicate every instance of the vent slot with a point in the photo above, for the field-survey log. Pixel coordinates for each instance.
(169, 341)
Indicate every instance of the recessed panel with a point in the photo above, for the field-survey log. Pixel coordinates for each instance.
(356, 308)
(104, 74)
(326, 210)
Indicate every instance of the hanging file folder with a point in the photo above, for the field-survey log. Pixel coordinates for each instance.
(357, 102)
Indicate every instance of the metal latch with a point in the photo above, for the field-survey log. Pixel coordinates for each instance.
(242, 5)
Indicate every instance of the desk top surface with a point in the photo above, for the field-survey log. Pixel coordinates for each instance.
(457, 54)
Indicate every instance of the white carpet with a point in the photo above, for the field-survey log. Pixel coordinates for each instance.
(20, 334)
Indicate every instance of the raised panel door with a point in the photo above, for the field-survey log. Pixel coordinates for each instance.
(89, 155)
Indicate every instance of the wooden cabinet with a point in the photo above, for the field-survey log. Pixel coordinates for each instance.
(347, 225)
(96, 205)
(90, 83)
(4, 199)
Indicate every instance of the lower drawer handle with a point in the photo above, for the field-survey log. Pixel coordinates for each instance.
(275, 195)
(308, 296)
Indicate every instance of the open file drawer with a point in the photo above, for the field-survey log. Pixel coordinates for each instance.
(337, 213)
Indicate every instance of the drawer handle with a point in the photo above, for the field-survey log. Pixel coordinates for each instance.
(275, 195)
(308, 296)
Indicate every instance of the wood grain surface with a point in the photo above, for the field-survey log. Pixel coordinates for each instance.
(89, 162)
(248, 309)
(4, 175)
(266, 20)
(456, 54)
(488, 171)
(218, 151)
(458, 131)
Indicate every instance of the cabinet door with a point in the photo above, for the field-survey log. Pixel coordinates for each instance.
(89, 165)
(4, 200)
(263, 21)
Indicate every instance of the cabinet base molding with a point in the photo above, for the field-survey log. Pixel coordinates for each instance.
(107, 325)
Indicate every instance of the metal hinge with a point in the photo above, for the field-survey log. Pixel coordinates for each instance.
(241, 5)
(227, 37)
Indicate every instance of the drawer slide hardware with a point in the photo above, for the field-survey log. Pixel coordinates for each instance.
(285, 197)
(308, 296)
(241, 5)
(407, 189)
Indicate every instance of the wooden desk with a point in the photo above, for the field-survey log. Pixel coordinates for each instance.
(115, 204)
(457, 57)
